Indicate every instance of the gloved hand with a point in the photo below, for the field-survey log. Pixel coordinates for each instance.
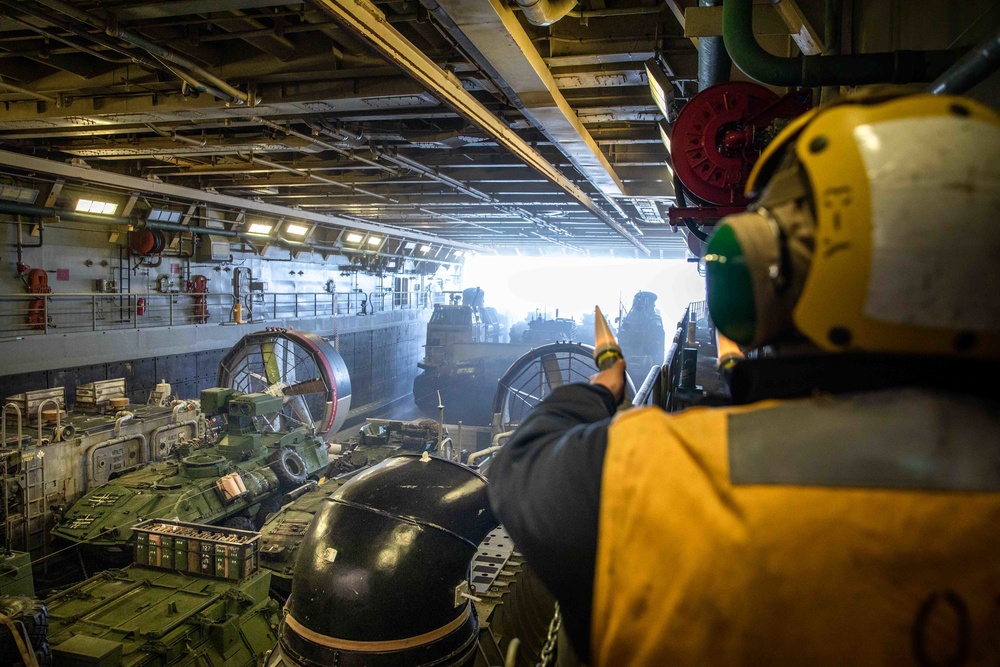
(612, 379)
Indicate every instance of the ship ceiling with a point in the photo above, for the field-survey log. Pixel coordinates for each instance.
(451, 119)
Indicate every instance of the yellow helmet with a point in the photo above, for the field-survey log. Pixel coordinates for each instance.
(877, 229)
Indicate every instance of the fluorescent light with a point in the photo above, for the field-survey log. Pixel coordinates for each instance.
(459, 253)
(424, 248)
(354, 237)
(93, 206)
(18, 194)
(410, 246)
(260, 228)
(374, 240)
(296, 230)
(665, 137)
(661, 88)
(163, 215)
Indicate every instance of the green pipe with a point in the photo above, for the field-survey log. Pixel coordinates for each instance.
(815, 71)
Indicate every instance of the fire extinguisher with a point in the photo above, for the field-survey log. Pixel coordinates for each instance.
(140, 306)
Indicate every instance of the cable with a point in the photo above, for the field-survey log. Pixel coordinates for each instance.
(688, 222)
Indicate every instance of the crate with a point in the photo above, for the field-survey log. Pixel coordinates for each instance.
(100, 392)
(210, 551)
(29, 401)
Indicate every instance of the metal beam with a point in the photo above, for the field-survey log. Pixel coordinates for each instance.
(369, 23)
(131, 183)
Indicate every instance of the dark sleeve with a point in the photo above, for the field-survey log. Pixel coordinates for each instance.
(545, 486)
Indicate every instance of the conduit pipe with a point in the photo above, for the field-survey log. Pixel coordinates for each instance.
(545, 12)
(815, 71)
(971, 68)
(714, 63)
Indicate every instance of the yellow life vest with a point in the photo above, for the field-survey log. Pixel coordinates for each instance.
(832, 531)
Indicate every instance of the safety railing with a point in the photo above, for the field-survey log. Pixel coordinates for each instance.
(39, 314)
(324, 304)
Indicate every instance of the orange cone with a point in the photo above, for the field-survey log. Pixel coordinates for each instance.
(606, 350)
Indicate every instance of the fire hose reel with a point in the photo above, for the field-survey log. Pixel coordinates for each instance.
(720, 133)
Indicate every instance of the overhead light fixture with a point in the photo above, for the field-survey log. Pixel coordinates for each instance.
(391, 264)
(94, 206)
(409, 246)
(18, 194)
(424, 248)
(459, 253)
(354, 237)
(260, 228)
(296, 230)
(661, 89)
(163, 215)
(665, 136)
(374, 240)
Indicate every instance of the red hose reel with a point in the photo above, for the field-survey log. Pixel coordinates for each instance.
(720, 133)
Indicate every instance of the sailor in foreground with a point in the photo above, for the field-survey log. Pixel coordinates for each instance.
(846, 512)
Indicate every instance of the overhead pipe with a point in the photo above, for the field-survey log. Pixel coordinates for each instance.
(30, 93)
(66, 214)
(48, 34)
(75, 216)
(545, 12)
(121, 182)
(87, 19)
(714, 63)
(193, 82)
(971, 68)
(322, 144)
(310, 175)
(94, 22)
(815, 71)
(404, 162)
(159, 52)
(241, 236)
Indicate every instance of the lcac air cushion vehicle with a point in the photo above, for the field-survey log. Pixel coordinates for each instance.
(271, 446)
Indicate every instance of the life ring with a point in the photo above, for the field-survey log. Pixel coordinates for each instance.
(289, 468)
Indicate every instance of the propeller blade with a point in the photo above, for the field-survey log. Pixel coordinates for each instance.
(553, 374)
(301, 410)
(314, 386)
(270, 362)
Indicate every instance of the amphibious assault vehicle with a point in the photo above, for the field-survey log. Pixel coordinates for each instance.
(239, 479)
(194, 596)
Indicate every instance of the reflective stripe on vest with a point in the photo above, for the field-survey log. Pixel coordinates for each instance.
(805, 565)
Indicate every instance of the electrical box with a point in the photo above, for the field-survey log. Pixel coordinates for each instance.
(213, 248)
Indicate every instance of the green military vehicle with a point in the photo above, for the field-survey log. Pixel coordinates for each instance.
(195, 597)
(240, 478)
(377, 440)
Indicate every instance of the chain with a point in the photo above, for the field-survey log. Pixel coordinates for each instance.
(548, 652)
